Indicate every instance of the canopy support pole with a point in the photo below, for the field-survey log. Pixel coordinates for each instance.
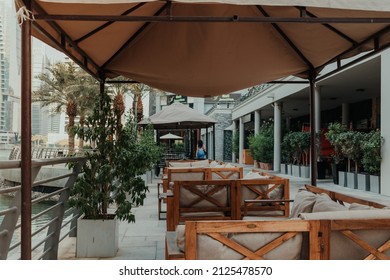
(213, 141)
(26, 164)
(313, 137)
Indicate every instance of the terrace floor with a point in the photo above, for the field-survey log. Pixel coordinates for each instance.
(144, 239)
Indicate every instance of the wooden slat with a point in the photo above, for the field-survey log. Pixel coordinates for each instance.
(363, 244)
(275, 243)
(235, 246)
(383, 248)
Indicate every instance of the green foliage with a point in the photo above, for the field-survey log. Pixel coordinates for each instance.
(372, 152)
(236, 143)
(261, 145)
(113, 168)
(295, 147)
(333, 136)
(178, 147)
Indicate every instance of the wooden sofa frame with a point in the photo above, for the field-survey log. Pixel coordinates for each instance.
(318, 232)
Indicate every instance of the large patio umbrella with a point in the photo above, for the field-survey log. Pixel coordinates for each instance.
(207, 48)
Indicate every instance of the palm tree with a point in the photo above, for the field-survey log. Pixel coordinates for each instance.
(68, 88)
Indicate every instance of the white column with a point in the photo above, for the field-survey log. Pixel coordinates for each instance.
(317, 104)
(241, 146)
(345, 114)
(234, 156)
(257, 121)
(158, 103)
(385, 125)
(277, 135)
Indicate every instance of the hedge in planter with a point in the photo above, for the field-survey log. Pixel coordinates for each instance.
(261, 145)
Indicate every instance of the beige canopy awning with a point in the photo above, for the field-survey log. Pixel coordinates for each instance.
(208, 48)
(179, 116)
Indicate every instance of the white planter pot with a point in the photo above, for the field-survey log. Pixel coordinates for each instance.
(363, 182)
(375, 185)
(342, 178)
(305, 171)
(296, 170)
(97, 238)
(289, 169)
(351, 180)
(283, 168)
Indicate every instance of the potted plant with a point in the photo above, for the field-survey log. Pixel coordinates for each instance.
(120, 155)
(372, 157)
(351, 147)
(261, 146)
(337, 158)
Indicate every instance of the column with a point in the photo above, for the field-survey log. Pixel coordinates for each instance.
(277, 135)
(385, 126)
(241, 145)
(234, 156)
(257, 121)
(317, 104)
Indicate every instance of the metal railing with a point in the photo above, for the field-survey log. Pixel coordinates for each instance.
(50, 224)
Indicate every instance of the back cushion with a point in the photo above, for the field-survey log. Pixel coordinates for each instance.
(303, 203)
(190, 199)
(179, 164)
(200, 163)
(324, 203)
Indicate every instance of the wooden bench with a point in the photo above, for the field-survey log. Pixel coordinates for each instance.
(263, 197)
(349, 234)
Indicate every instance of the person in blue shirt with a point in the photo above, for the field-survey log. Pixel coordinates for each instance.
(200, 150)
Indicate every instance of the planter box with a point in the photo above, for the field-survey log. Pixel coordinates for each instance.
(363, 182)
(284, 168)
(321, 170)
(97, 238)
(335, 172)
(265, 166)
(296, 170)
(375, 184)
(289, 169)
(342, 178)
(351, 180)
(305, 171)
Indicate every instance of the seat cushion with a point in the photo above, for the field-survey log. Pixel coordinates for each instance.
(303, 202)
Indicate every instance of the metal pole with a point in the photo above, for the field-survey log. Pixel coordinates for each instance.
(26, 180)
(313, 138)
(213, 141)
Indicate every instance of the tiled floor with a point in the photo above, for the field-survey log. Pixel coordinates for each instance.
(144, 239)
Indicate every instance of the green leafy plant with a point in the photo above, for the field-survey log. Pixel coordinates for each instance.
(261, 145)
(371, 160)
(236, 143)
(111, 174)
(333, 136)
(295, 147)
(351, 147)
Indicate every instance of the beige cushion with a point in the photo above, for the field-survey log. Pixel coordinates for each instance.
(213, 164)
(255, 175)
(200, 163)
(324, 203)
(186, 176)
(179, 164)
(187, 197)
(216, 175)
(358, 206)
(303, 202)
(341, 247)
(341, 215)
(208, 248)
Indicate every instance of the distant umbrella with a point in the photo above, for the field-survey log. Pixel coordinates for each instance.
(171, 136)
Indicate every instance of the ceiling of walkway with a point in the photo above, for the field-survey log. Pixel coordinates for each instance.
(358, 83)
